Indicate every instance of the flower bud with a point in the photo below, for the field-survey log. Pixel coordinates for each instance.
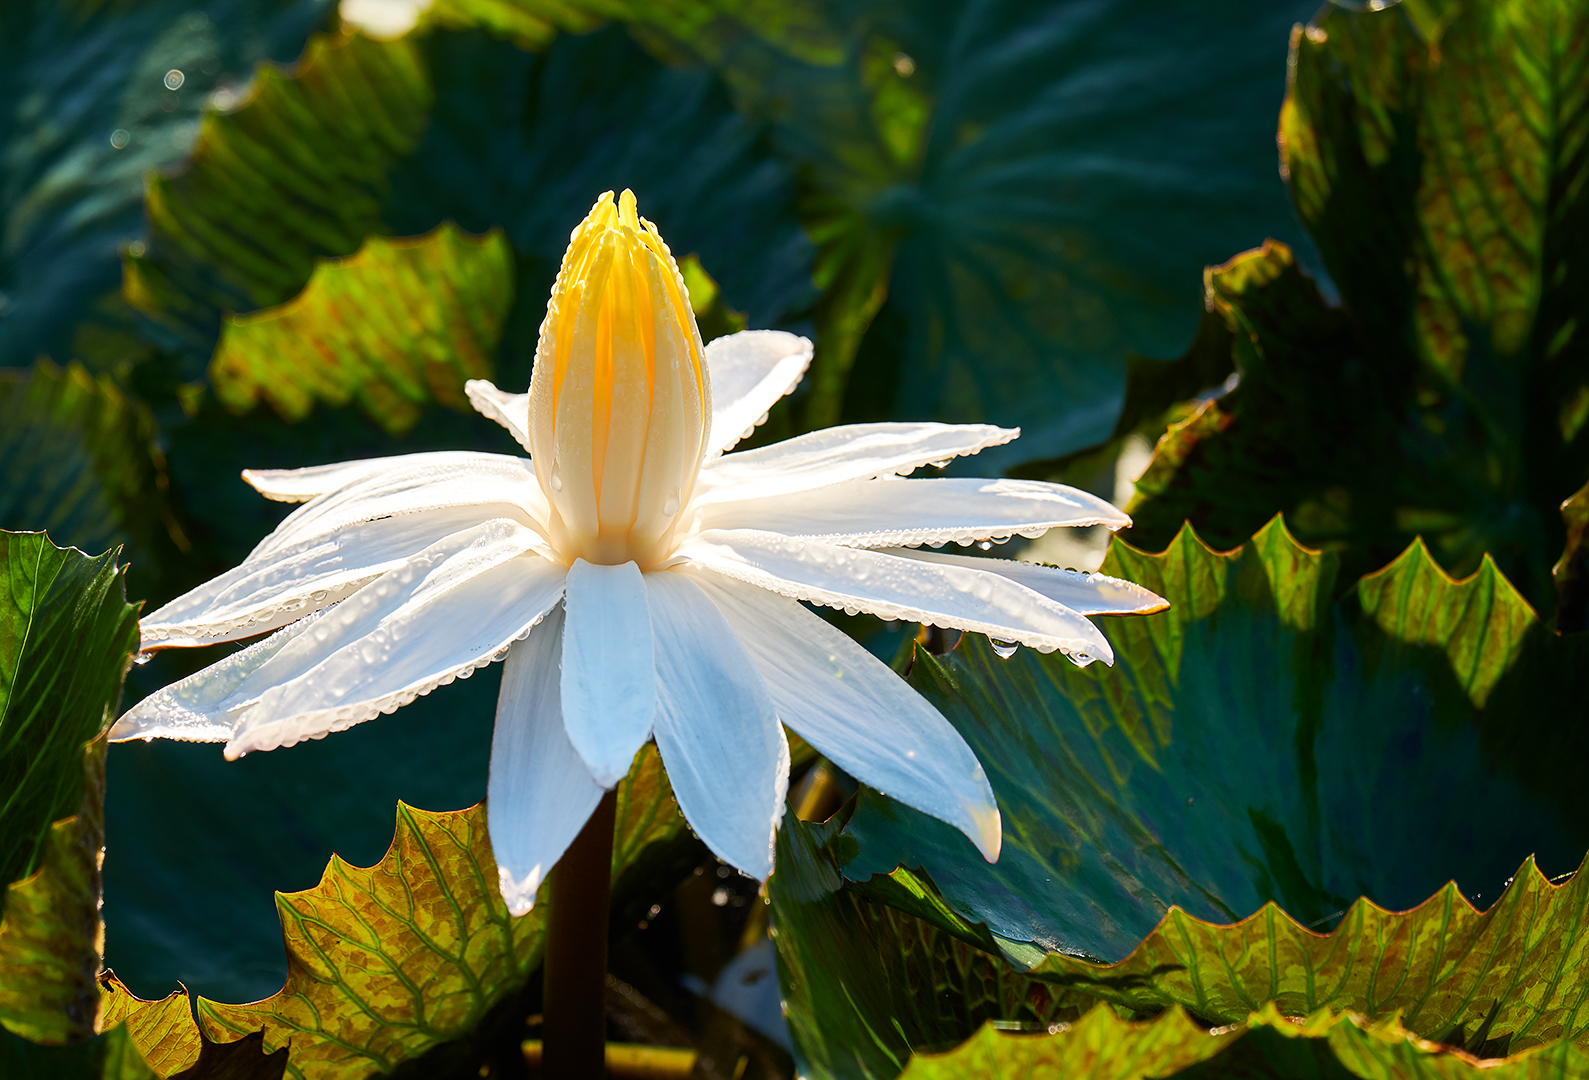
(620, 402)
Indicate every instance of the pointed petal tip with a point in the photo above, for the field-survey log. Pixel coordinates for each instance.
(123, 729)
(989, 835)
(519, 894)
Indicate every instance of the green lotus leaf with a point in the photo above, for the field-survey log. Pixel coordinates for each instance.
(80, 460)
(294, 173)
(1436, 152)
(88, 110)
(109, 1056)
(388, 963)
(1325, 1045)
(399, 324)
(1256, 742)
(66, 638)
(1031, 187)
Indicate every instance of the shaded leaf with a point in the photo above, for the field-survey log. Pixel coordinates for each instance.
(294, 173)
(864, 984)
(66, 637)
(51, 936)
(1437, 152)
(72, 76)
(398, 324)
(1032, 186)
(1254, 743)
(80, 461)
(110, 1056)
(389, 962)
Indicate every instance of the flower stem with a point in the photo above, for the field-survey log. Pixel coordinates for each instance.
(575, 1009)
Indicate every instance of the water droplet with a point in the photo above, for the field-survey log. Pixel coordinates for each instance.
(671, 507)
(944, 464)
(557, 479)
(174, 79)
(120, 138)
(985, 545)
(1004, 649)
(143, 658)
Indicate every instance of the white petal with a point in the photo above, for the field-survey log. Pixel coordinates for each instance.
(453, 608)
(750, 371)
(512, 411)
(716, 728)
(540, 794)
(500, 485)
(342, 539)
(198, 708)
(893, 588)
(301, 485)
(834, 455)
(609, 683)
(901, 513)
(1085, 594)
(273, 589)
(854, 709)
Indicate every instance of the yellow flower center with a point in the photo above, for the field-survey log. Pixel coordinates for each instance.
(620, 402)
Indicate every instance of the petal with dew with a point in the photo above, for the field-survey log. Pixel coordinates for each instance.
(855, 710)
(609, 682)
(902, 513)
(512, 411)
(539, 795)
(201, 707)
(834, 455)
(453, 608)
(499, 484)
(1083, 593)
(893, 588)
(286, 584)
(750, 371)
(716, 727)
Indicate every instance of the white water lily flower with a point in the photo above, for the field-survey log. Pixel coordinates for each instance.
(639, 581)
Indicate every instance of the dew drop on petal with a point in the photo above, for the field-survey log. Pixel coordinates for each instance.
(143, 658)
(557, 479)
(1003, 649)
(671, 507)
(985, 545)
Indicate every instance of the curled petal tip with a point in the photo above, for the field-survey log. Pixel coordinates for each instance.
(519, 894)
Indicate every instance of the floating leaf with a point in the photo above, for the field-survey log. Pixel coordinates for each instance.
(79, 459)
(66, 637)
(294, 173)
(389, 962)
(1106, 1048)
(1032, 187)
(1437, 152)
(87, 112)
(1254, 743)
(399, 324)
(51, 936)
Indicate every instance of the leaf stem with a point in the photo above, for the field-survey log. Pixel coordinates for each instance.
(575, 1011)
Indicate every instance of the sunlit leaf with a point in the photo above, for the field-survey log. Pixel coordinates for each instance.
(1327, 1045)
(294, 172)
(1256, 742)
(398, 324)
(87, 111)
(1437, 152)
(390, 962)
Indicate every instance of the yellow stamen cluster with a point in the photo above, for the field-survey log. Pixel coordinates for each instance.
(620, 402)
